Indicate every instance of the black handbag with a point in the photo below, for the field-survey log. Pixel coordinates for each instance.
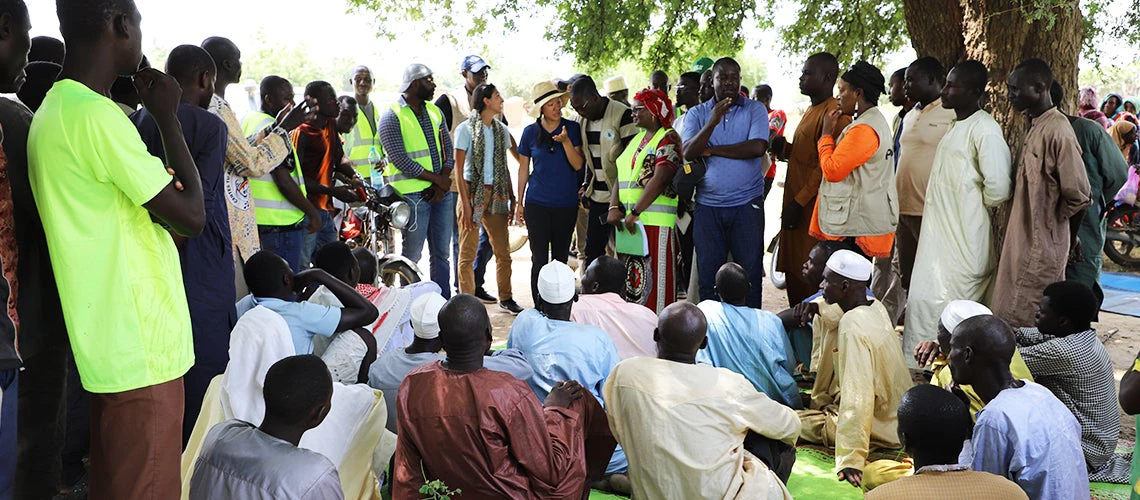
(687, 178)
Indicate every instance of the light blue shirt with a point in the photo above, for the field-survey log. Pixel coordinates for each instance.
(730, 182)
(1029, 437)
(392, 367)
(752, 343)
(562, 350)
(305, 319)
(463, 140)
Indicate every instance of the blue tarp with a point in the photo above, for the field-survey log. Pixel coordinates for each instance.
(1121, 293)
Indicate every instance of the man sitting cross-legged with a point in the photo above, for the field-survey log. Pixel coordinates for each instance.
(629, 325)
(272, 284)
(935, 354)
(559, 349)
(241, 460)
(854, 407)
(748, 341)
(697, 431)
(1024, 433)
(485, 433)
(933, 424)
(351, 352)
(388, 372)
(1065, 355)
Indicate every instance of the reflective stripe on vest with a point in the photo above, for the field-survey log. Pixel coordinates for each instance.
(416, 147)
(270, 207)
(663, 211)
(359, 144)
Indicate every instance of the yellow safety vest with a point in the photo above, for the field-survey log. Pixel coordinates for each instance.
(416, 147)
(270, 207)
(359, 145)
(663, 211)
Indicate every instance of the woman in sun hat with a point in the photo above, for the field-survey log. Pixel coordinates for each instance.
(550, 154)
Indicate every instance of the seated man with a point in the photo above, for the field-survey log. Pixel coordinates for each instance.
(393, 328)
(656, 404)
(241, 460)
(629, 325)
(797, 319)
(933, 424)
(1066, 357)
(934, 354)
(388, 372)
(484, 432)
(559, 349)
(748, 341)
(349, 353)
(1024, 433)
(272, 284)
(854, 402)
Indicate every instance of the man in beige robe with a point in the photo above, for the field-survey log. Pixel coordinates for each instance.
(1050, 193)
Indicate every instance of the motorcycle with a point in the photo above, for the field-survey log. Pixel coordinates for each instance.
(371, 226)
(1122, 239)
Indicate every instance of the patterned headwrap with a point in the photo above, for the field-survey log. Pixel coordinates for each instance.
(657, 102)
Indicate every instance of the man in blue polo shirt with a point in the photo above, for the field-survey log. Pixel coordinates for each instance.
(731, 132)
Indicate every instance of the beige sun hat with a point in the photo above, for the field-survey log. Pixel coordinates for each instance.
(616, 84)
(542, 93)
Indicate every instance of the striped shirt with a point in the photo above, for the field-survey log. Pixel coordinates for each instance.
(397, 154)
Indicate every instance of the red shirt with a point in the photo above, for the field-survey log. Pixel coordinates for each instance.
(319, 151)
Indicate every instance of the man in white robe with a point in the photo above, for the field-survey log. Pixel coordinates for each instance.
(956, 257)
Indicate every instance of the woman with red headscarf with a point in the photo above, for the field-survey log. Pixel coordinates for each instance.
(644, 196)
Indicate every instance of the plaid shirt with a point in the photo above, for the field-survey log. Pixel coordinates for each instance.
(1078, 371)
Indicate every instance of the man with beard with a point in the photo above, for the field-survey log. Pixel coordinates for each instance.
(420, 159)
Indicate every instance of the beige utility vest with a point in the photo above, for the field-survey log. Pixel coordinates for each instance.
(865, 203)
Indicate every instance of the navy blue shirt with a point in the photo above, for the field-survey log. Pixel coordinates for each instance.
(207, 259)
(553, 183)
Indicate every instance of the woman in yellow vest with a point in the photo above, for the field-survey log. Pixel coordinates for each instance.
(644, 198)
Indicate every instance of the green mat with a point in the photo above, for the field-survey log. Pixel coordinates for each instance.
(813, 476)
(601, 495)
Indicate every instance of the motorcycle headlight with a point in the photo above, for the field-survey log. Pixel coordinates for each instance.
(400, 214)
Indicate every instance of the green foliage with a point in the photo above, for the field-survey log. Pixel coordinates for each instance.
(1120, 77)
(665, 34)
(852, 29)
(436, 490)
(292, 61)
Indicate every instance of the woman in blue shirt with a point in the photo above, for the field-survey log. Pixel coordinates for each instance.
(549, 207)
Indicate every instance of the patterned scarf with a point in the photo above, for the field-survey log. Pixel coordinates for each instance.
(501, 193)
(658, 104)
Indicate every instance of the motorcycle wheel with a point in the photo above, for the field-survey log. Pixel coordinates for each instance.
(1122, 241)
(398, 274)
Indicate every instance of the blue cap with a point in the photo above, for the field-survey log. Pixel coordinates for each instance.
(473, 63)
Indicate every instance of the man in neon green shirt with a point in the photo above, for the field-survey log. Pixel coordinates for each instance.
(98, 193)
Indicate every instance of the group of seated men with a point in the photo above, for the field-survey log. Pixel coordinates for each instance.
(701, 402)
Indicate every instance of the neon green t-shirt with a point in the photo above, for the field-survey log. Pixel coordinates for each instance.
(118, 273)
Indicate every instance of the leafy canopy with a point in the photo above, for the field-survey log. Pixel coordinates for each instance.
(669, 34)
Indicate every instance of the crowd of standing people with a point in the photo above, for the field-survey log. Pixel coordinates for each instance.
(182, 310)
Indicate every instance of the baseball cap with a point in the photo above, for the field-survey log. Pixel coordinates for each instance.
(473, 63)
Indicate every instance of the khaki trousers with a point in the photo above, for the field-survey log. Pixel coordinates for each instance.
(496, 225)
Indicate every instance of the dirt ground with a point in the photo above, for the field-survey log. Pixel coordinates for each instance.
(1120, 334)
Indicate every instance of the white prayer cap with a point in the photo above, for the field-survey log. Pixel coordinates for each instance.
(850, 265)
(556, 283)
(958, 311)
(425, 315)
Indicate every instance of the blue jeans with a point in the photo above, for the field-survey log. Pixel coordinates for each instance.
(433, 223)
(286, 243)
(739, 229)
(482, 256)
(311, 242)
(9, 387)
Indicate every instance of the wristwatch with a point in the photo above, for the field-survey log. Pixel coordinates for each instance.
(635, 212)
